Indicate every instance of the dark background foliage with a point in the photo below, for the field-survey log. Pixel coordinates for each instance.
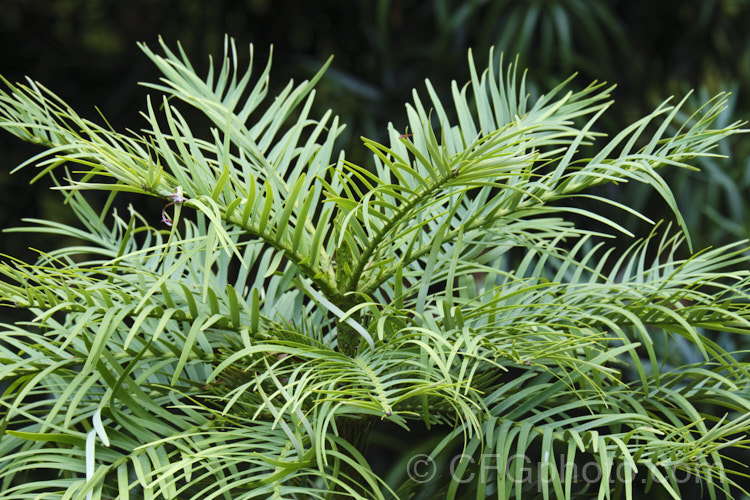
(85, 51)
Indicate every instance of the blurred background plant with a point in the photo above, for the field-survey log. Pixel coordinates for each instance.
(86, 50)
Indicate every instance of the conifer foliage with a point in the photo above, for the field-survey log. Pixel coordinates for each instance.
(286, 304)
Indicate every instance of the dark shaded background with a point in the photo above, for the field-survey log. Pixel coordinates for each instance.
(85, 51)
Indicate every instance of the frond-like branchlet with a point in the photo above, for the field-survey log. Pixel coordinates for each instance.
(289, 301)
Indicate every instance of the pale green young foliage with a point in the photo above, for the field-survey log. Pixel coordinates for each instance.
(289, 296)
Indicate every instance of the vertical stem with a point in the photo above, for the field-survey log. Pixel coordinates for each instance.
(355, 431)
(348, 338)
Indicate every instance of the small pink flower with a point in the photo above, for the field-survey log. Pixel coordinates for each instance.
(176, 198)
(177, 195)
